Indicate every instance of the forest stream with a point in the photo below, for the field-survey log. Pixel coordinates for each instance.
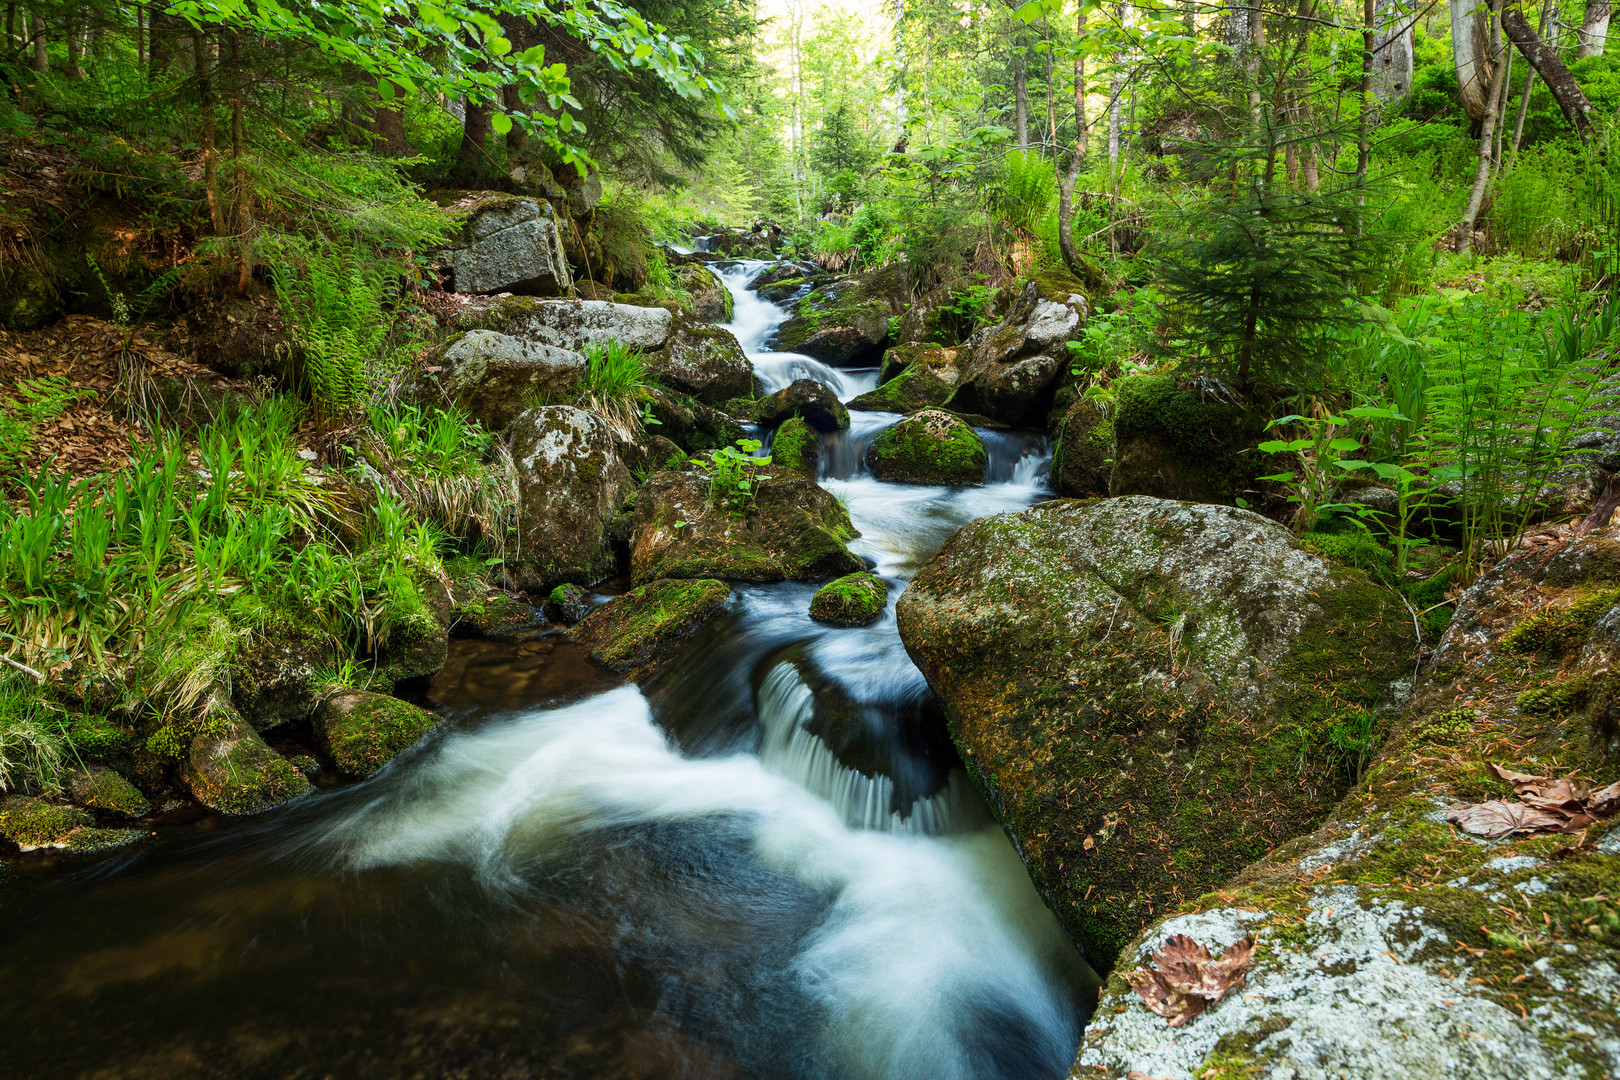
(765, 862)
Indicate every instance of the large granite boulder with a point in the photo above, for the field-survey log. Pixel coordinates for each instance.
(490, 375)
(704, 361)
(646, 626)
(1391, 945)
(1151, 694)
(847, 322)
(795, 529)
(1176, 442)
(711, 300)
(507, 244)
(571, 482)
(1083, 453)
(1014, 366)
(929, 447)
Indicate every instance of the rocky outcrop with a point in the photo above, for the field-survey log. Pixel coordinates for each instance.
(1173, 442)
(1014, 366)
(363, 731)
(929, 447)
(927, 376)
(275, 672)
(795, 529)
(704, 361)
(1083, 454)
(571, 482)
(491, 375)
(229, 768)
(508, 244)
(1389, 944)
(852, 600)
(847, 322)
(689, 423)
(1151, 694)
(646, 626)
(807, 399)
(569, 603)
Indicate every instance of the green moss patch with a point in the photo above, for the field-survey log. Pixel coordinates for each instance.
(931, 447)
(364, 731)
(1180, 444)
(796, 448)
(648, 624)
(852, 600)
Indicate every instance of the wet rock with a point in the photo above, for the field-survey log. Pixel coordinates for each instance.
(847, 322)
(570, 484)
(927, 377)
(807, 399)
(647, 625)
(704, 361)
(570, 602)
(795, 529)
(1013, 367)
(1460, 957)
(508, 244)
(276, 673)
(498, 617)
(1146, 692)
(796, 448)
(1176, 443)
(491, 375)
(32, 824)
(414, 649)
(363, 731)
(852, 600)
(929, 447)
(229, 768)
(97, 787)
(689, 423)
(711, 301)
(1082, 457)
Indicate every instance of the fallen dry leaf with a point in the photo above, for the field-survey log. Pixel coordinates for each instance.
(1181, 979)
(1565, 805)
(1497, 818)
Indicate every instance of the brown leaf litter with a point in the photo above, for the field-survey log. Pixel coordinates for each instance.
(1182, 978)
(1566, 805)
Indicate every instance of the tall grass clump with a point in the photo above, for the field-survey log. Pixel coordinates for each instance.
(614, 382)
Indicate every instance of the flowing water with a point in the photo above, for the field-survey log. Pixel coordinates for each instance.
(765, 862)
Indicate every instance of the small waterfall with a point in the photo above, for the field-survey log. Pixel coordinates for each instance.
(1016, 457)
(703, 244)
(786, 705)
(755, 321)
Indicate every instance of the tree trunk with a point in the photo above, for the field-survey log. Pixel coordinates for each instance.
(1393, 43)
(75, 50)
(1545, 60)
(1470, 54)
(1251, 67)
(205, 105)
(42, 58)
(244, 191)
(141, 21)
(1116, 90)
(12, 41)
(475, 129)
(1021, 100)
(1369, 64)
(1066, 244)
(1487, 143)
(1594, 30)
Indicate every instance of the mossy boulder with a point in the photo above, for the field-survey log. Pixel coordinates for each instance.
(498, 616)
(847, 322)
(1463, 957)
(1146, 691)
(796, 449)
(491, 375)
(570, 602)
(1013, 368)
(689, 423)
(929, 447)
(1172, 442)
(276, 672)
(508, 243)
(794, 529)
(96, 787)
(647, 625)
(571, 482)
(711, 301)
(702, 360)
(32, 824)
(807, 399)
(915, 377)
(852, 600)
(229, 768)
(363, 731)
(1083, 454)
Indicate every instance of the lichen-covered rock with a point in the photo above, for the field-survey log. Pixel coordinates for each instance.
(570, 602)
(570, 484)
(807, 399)
(648, 624)
(510, 245)
(34, 823)
(711, 301)
(929, 447)
(276, 672)
(795, 530)
(924, 376)
(847, 322)
(229, 768)
(852, 600)
(796, 448)
(1148, 692)
(491, 375)
(1175, 443)
(363, 731)
(1082, 456)
(1014, 366)
(97, 787)
(942, 316)
(704, 361)
(1389, 944)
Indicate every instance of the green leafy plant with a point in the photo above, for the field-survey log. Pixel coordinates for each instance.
(734, 474)
(1321, 461)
